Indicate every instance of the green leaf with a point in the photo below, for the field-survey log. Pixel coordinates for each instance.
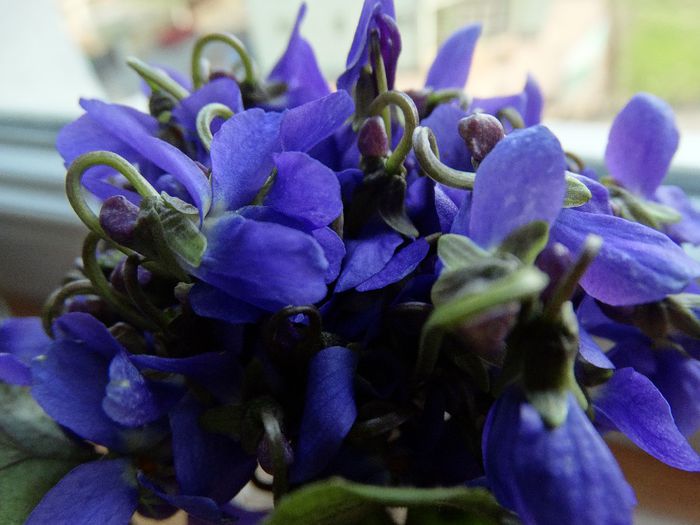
(339, 502)
(34, 454)
(577, 193)
(526, 242)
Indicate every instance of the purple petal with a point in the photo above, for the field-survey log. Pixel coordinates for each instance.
(591, 351)
(359, 49)
(215, 371)
(401, 264)
(520, 181)
(333, 248)
(21, 340)
(445, 208)
(263, 263)
(129, 399)
(366, 257)
(298, 69)
(208, 465)
(208, 301)
(241, 157)
(528, 103)
(102, 492)
(678, 378)
(461, 221)
(450, 68)
(223, 90)
(305, 189)
(552, 476)
(641, 144)
(305, 126)
(688, 229)
(329, 411)
(635, 264)
(69, 380)
(123, 124)
(637, 408)
(389, 45)
(443, 122)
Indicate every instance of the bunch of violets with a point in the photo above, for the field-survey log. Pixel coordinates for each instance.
(381, 299)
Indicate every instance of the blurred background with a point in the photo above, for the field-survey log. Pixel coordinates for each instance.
(589, 56)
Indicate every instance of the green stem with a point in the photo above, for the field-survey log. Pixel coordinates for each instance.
(394, 163)
(74, 186)
(206, 116)
(425, 146)
(382, 83)
(137, 295)
(119, 302)
(512, 116)
(55, 302)
(567, 284)
(445, 95)
(229, 40)
(157, 79)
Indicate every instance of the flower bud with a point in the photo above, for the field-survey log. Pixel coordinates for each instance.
(118, 219)
(116, 278)
(372, 140)
(420, 99)
(481, 132)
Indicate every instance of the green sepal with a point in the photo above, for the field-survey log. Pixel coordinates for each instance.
(456, 251)
(167, 232)
(682, 317)
(526, 242)
(518, 285)
(339, 502)
(577, 193)
(473, 279)
(635, 208)
(392, 206)
(34, 454)
(548, 351)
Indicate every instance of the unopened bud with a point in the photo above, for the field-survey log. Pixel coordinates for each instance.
(481, 132)
(118, 219)
(372, 140)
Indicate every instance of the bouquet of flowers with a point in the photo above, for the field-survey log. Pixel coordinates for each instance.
(378, 306)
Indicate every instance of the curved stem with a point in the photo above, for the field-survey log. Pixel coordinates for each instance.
(229, 40)
(580, 165)
(567, 284)
(273, 434)
(512, 116)
(394, 163)
(56, 300)
(311, 313)
(445, 95)
(206, 116)
(425, 146)
(74, 186)
(137, 295)
(120, 303)
(157, 78)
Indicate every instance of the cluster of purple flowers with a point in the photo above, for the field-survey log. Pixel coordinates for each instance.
(400, 289)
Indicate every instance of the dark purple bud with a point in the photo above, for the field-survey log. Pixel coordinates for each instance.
(265, 454)
(420, 99)
(118, 219)
(372, 140)
(481, 132)
(116, 278)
